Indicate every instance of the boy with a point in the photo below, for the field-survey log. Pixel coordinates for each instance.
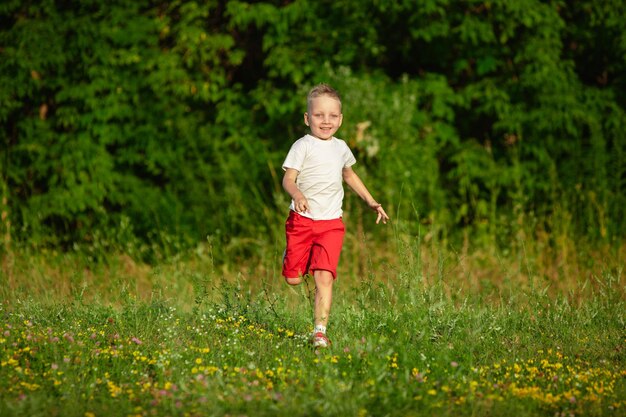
(314, 169)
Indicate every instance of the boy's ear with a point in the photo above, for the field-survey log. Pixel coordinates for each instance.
(306, 118)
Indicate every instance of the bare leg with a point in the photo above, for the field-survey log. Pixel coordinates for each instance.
(294, 281)
(323, 295)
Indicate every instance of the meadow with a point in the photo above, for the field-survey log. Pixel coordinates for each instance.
(432, 332)
(132, 130)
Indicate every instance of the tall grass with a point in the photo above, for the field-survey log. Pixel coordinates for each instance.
(418, 328)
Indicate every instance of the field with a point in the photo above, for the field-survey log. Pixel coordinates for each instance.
(142, 209)
(434, 332)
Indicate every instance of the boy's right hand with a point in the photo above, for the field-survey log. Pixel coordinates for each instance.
(301, 205)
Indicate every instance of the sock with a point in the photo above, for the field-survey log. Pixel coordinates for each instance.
(319, 329)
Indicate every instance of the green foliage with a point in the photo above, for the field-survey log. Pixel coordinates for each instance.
(170, 120)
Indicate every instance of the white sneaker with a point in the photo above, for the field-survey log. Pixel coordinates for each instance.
(319, 339)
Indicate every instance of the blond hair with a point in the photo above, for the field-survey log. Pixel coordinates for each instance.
(322, 90)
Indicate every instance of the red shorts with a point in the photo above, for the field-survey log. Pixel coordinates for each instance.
(312, 245)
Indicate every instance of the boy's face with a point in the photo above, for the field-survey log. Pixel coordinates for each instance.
(324, 117)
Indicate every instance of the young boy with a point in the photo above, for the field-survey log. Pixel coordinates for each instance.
(314, 169)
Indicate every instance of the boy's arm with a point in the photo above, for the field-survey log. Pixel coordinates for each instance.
(289, 184)
(354, 181)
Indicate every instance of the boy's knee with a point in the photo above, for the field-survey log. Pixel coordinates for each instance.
(293, 281)
(324, 278)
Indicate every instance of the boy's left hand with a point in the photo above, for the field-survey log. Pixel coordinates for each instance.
(381, 212)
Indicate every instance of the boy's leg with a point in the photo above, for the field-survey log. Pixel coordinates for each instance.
(293, 281)
(324, 259)
(299, 234)
(323, 295)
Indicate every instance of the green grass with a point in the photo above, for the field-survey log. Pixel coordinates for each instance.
(196, 343)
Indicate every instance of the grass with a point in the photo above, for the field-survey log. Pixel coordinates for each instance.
(420, 336)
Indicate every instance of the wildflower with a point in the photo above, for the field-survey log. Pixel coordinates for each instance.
(454, 364)
(114, 390)
(136, 341)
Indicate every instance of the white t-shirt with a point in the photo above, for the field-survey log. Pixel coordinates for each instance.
(320, 164)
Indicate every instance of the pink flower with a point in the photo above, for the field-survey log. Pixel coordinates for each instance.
(136, 341)
(454, 364)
